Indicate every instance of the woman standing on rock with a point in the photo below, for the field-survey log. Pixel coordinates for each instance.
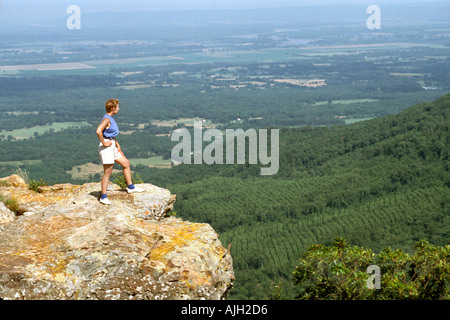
(110, 151)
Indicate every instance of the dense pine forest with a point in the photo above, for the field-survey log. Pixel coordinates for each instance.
(380, 183)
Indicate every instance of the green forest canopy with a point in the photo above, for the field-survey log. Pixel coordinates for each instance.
(378, 183)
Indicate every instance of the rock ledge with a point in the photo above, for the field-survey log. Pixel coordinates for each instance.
(67, 245)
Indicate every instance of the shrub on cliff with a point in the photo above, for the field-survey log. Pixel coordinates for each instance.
(340, 272)
(11, 203)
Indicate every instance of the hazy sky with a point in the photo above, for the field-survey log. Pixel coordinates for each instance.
(47, 6)
(33, 9)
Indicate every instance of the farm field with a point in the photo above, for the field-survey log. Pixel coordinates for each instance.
(155, 161)
(318, 103)
(87, 170)
(213, 55)
(26, 133)
(95, 171)
(189, 122)
(20, 163)
(351, 121)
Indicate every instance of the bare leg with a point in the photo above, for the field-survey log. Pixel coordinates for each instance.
(125, 163)
(107, 171)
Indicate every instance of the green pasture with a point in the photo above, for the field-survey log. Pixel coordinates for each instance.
(26, 133)
(20, 163)
(351, 121)
(155, 161)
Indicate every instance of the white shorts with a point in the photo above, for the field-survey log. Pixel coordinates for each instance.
(109, 154)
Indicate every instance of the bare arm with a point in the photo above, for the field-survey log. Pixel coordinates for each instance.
(101, 127)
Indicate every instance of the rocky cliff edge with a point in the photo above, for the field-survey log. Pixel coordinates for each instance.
(64, 244)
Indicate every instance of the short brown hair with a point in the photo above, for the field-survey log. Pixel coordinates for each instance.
(111, 104)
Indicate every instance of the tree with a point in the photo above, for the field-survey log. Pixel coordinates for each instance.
(424, 275)
(338, 272)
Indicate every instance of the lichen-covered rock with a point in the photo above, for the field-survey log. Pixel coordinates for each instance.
(6, 215)
(69, 246)
(13, 181)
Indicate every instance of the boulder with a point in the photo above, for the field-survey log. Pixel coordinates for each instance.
(13, 181)
(70, 246)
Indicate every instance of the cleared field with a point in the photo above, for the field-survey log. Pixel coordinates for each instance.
(319, 103)
(351, 121)
(279, 55)
(20, 163)
(189, 122)
(140, 86)
(156, 161)
(87, 170)
(303, 82)
(27, 133)
(48, 67)
(206, 56)
(20, 113)
(403, 74)
(354, 101)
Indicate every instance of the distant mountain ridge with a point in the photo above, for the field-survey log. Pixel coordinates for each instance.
(163, 24)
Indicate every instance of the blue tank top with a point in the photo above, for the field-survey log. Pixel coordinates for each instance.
(113, 130)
